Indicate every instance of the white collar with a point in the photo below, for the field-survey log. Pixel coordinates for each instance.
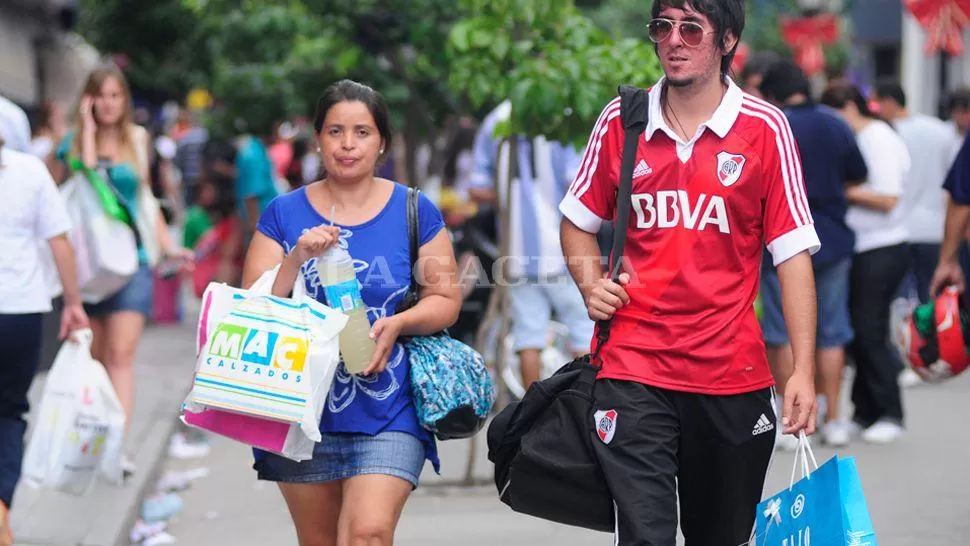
(720, 123)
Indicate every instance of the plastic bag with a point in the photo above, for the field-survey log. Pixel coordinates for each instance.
(285, 348)
(80, 424)
(104, 248)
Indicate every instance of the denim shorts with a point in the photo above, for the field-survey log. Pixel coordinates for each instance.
(834, 320)
(135, 296)
(533, 303)
(342, 456)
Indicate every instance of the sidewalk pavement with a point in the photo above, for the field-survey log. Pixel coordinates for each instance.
(163, 374)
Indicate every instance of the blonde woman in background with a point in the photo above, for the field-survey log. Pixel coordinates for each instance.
(107, 139)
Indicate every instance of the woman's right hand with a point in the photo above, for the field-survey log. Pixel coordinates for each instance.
(86, 110)
(315, 242)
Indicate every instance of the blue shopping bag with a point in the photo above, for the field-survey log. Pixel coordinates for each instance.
(827, 507)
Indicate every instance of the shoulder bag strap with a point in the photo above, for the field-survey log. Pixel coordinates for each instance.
(413, 235)
(634, 112)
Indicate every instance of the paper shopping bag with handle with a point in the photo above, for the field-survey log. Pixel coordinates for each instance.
(223, 400)
(826, 507)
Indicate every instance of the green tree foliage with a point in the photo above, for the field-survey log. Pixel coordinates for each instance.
(156, 37)
(552, 62)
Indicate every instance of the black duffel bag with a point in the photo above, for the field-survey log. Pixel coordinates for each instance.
(542, 445)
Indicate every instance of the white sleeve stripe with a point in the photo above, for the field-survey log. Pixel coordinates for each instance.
(591, 158)
(786, 171)
(800, 196)
(790, 152)
(587, 153)
(588, 182)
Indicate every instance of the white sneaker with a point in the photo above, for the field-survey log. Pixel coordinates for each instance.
(836, 433)
(883, 432)
(908, 378)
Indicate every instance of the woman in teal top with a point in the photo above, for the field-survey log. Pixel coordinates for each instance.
(106, 137)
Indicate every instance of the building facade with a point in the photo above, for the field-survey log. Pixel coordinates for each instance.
(40, 58)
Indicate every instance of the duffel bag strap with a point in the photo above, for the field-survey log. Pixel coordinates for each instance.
(634, 112)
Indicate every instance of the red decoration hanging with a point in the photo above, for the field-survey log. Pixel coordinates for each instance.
(944, 21)
(806, 35)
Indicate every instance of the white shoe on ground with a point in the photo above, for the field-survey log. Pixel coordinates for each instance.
(836, 433)
(908, 378)
(883, 432)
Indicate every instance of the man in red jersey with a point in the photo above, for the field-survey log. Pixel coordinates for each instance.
(684, 398)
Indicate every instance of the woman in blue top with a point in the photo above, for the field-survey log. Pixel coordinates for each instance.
(373, 449)
(107, 137)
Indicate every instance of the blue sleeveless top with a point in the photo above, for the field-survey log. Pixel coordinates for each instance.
(379, 248)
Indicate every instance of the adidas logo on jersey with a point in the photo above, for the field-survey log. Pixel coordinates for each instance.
(642, 169)
(763, 425)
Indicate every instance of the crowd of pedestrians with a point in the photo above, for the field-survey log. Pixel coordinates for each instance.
(841, 188)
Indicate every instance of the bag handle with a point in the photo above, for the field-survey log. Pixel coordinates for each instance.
(634, 113)
(802, 455)
(413, 235)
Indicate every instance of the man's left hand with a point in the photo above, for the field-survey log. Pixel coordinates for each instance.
(801, 408)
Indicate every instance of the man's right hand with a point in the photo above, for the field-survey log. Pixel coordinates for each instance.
(947, 274)
(606, 297)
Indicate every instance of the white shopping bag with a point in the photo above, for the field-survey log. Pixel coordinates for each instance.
(104, 248)
(270, 361)
(80, 424)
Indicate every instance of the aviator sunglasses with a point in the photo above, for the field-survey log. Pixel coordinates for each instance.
(691, 33)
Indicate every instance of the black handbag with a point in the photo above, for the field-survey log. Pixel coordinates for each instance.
(542, 445)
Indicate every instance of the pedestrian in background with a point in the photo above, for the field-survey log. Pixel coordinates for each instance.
(31, 211)
(831, 160)
(106, 138)
(881, 261)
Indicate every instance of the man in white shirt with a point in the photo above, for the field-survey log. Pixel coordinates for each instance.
(31, 211)
(922, 205)
(540, 284)
(14, 126)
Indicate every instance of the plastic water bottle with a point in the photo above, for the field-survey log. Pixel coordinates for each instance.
(339, 281)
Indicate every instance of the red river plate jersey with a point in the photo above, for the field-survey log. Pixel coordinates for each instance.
(701, 211)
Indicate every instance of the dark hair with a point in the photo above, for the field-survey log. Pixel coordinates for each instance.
(759, 63)
(958, 100)
(351, 91)
(725, 15)
(890, 89)
(840, 94)
(782, 80)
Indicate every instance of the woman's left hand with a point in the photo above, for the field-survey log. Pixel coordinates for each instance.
(385, 332)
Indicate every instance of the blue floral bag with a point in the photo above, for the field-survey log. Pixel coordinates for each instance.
(453, 390)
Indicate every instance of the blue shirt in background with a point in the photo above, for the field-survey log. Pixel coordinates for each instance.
(830, 158)
(380, 250)
(254, 175)
(958, 179)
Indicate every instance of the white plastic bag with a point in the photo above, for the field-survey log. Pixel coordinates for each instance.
(104, 248)
(265, 366)
(79, 426)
